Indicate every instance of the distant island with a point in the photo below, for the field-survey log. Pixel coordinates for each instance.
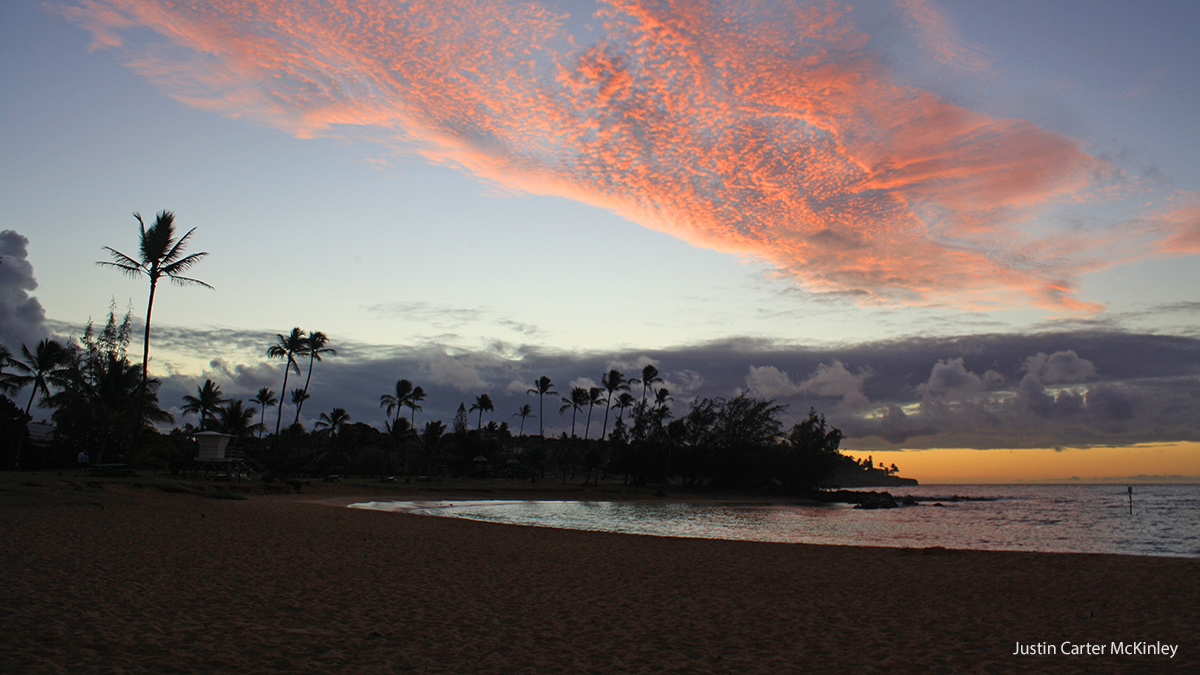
(852, 473)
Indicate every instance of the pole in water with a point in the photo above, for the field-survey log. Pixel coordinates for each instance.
(1131, 500)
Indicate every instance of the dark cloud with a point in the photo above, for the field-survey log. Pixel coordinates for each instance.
(22, 318)
(1073, 389)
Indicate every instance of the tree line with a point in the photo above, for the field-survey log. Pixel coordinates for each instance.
(107, 405)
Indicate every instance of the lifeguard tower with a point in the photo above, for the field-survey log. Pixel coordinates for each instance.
(214, 463)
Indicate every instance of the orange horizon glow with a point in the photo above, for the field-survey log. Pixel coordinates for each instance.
(769, 131)
(1177, 462)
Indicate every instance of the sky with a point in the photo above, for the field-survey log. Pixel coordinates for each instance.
(966, 233)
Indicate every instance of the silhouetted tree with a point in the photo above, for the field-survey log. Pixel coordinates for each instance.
(648, 379)
(235, 419)
(612, 381)
(207, 403)
(523, 412)
(397, 400)
(287, 348)
(460, 420)
(161, 255)
(38, 369)
(299, 396)
(414, 401)
(542, 387)
(483, 403)
(265, 398)
(579, 398)
(314, 346)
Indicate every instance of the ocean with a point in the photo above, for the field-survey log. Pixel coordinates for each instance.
(1165, 519)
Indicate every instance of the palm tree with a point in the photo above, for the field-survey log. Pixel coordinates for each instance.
(44, 366)
(235, 419)
(287, 348)
(8, 384)
(161, 256)
(595, 395)
(418, 395)
(523, 412)
(314, 347)
(542, 387)
(624, 400)
(397, 401)
(660, 404)
(332, 422)
(649, 378)
(207, 402)
(265, 398)
(299, 396)
(579, 398)
(483, 403)
(613, 381)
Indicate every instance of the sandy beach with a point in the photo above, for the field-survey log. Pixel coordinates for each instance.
(106, 577)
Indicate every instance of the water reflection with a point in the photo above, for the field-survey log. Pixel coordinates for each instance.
(1087, 519)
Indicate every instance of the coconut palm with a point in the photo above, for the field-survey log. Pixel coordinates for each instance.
(595, 396)
(208, 401)
(45, 365)
(299, 396)
(661, 410)
(235, 419)
(287, 348)
(649, 378)
(332, 422)
(396, 401)
(523, 412)
(612, 381)
(161, 256)
(542, 387)
(314, 347)
(624, 400)
(266, 399)
(483, 403)
(579, 398)
(414, 400)
(8, 384)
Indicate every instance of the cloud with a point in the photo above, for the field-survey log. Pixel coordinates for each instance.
(22, 318)
(974, 391)
(770, 131)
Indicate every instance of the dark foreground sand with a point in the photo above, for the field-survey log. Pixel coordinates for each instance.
(101, 578)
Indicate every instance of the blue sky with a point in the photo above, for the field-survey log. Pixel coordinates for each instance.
(434, 233)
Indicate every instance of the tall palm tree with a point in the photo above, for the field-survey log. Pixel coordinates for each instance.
(523, 412)
(161, 255)
(660, 404)
(287, 348)
(542, 387)
(208, 401)
(315, 347)
(266, 399)
(299, 396)
(579, 398)
(414, 400)
(612, 381)
(649, 378)
(483, 403)
(396, 401)
(595, 396)
(45, 365)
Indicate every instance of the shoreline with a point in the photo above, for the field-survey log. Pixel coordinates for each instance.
(105, 577)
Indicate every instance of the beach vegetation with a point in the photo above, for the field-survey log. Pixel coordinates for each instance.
(160, 255)
(287, 348)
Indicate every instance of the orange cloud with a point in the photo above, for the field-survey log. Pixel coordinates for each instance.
(763, 129)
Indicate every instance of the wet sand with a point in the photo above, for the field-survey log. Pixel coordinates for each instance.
(108, 578)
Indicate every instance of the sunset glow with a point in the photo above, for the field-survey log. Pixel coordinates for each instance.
(967, 235)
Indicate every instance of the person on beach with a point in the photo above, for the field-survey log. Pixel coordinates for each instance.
(83, 461)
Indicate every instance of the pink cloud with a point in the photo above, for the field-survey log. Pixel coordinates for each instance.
(766, 130)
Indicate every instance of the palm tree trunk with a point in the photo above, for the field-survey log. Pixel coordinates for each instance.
(300, 405)
(287, 367)
(141, 402)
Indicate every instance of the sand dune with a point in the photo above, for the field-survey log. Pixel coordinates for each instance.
(111, 579)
